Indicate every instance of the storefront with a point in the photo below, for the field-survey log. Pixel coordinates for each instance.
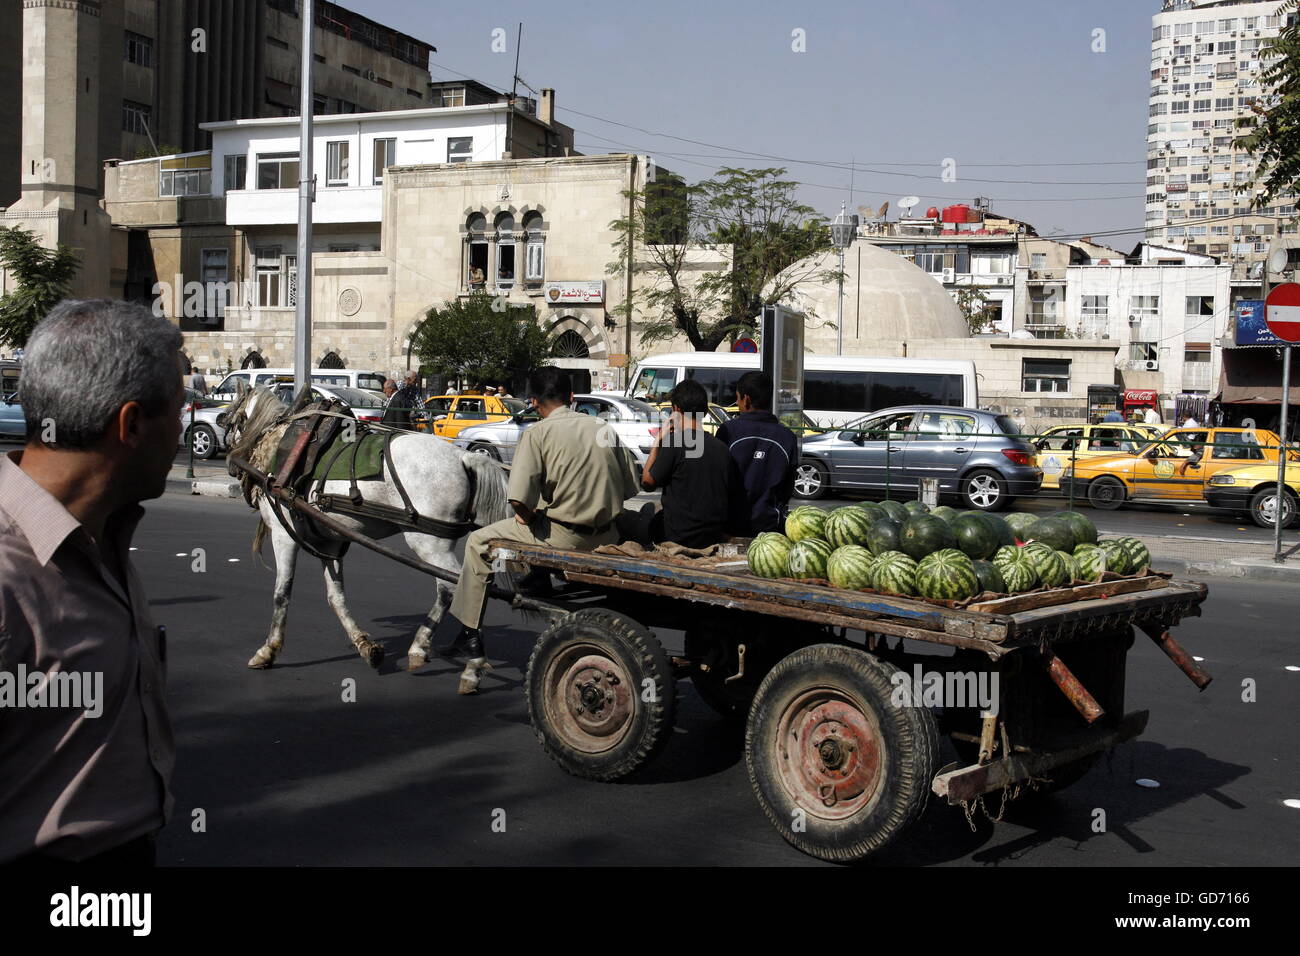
(1250, 387)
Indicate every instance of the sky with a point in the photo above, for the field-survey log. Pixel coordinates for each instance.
(1009, 91)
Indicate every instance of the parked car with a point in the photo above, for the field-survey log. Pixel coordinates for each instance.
(12, 424)
(228, 387)
(1175, 468)
(892, 449)
(448, 415)
(367, 405)
(635, 422)
(1253, 489)
(1061, 445)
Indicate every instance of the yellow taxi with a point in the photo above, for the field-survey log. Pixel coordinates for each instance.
(1062, 445)
(447, 414)
(1253, 488)
(1177, 467)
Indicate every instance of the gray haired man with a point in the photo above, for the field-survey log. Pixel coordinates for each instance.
(85, 776)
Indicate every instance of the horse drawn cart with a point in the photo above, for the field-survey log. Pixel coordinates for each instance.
(838, 688)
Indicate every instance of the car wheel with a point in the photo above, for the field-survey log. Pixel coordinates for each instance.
(985, 490)
(204, 441)
(1263, 507)
(811, 480)
(488, 450)
(1106, 493)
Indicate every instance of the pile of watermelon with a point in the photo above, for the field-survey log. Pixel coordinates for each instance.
(944, 554)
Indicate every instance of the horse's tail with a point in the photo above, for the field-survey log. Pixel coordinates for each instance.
(258, 537)
(490, 502)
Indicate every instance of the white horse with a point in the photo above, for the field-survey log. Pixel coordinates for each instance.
(437, 478)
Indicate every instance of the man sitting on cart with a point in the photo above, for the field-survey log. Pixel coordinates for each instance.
(568, 482)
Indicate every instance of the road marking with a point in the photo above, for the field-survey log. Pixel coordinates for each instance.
(1148, 783)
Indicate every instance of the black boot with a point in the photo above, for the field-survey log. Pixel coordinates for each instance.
(468, 643)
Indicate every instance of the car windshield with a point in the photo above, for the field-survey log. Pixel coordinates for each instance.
(635, 410)
(514, 405)
(359, 397)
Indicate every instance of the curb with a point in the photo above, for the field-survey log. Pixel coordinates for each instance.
(212, 487)
(1253, 569)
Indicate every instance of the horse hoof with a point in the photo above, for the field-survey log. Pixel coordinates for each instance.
(415, 661)
(372, 653)
(468, 685)
(472, 675)
(262, 660)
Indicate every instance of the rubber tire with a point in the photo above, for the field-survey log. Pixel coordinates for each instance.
(485, 449)
(910, 751)
(821, 472)
(206, 433)
(641, 657)
(1003, 500)
(1106, 503)
(1258, 499)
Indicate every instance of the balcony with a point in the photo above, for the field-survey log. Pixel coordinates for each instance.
(279, 207)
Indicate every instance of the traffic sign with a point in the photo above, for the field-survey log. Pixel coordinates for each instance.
(745, 345)
(1282, 311)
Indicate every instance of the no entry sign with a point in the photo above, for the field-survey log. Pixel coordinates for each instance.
(1282, 312)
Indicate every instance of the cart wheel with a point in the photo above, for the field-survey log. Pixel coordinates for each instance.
(838, 769)
(600, 694)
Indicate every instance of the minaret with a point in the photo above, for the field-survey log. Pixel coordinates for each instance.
(60, 135)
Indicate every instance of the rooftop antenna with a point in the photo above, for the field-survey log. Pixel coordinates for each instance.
(514, 88)
(907, 202)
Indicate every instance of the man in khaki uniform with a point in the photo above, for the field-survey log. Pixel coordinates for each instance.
(568, 482)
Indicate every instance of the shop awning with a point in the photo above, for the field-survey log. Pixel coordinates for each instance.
(1254, 377)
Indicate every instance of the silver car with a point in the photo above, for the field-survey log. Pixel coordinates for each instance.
(967, 450)
(636, 423)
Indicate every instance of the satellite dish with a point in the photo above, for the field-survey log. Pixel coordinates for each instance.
(1277, 260)
(907, 202)
(883, 209)
(866, 212)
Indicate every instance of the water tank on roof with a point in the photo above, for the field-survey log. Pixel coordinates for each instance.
(932, 212)
(955, 213)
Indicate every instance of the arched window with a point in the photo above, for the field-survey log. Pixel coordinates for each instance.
(505, 251)
(253, 360)
(331, 360)
(477, 261)
(569, 344)
(534, 250)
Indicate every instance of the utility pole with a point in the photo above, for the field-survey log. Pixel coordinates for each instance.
(306, 194)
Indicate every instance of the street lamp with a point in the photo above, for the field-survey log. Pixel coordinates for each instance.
(843, 229)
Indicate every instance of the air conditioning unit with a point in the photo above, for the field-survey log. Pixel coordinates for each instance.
(370, 75)
(1004, 280)
(949, 275)
(1151, 365)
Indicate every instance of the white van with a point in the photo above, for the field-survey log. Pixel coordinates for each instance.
(253, 377)
(837, 388)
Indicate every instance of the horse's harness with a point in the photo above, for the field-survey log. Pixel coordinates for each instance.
(316, 439)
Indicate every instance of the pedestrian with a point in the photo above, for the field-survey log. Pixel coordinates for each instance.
(1191, 422)
(703, 497)
(86, 780)
(503, 392)
(390, 388)
(398, 411)
(197, 382)
(765, 451)
(568, 482)
(490, 390)
(1152, 417)
(1113, 416)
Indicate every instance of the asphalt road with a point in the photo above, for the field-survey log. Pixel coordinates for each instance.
(287, 773)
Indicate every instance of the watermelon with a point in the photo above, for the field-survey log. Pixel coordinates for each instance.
(847, 526)
(1085, 532)
(1019, 576)
(975, 536)
(883, 536)
(1001, 530)
(1009, 554)
(805, 521)
(946, 513)
(916, 507)
(1019, 522)
(873, 510)
(808, 559)
(1053, 532)
(895, 510)
(1118, 558)
(1071, 567)
(1047, 563)
(850, 567)
(990, 577)
(894, 573)
(768, 554)
(947, 575)
(1137, 552)
(923, 534)
(1091, 561)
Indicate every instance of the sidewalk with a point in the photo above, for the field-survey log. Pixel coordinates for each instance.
(210, 478)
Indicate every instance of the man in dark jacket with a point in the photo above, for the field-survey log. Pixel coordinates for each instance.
(765, 451)
(398, 412)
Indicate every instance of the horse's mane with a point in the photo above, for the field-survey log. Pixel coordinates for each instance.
(268, 411)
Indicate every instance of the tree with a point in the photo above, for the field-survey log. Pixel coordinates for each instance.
(41, 279)
(479, 339)
(774, 245)
(976, 307)
(1275, 138)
